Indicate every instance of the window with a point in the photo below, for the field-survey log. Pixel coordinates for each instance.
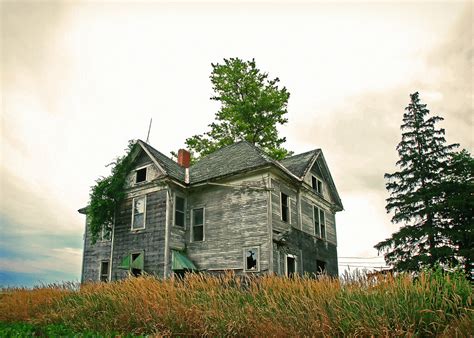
(317, 184)
(104, 271)
(319, 220)
(105, 233)
(320, 266)
(140, 175)
(138, 214)
(251, 259)
(290, 265)
(285, 207)
(179, 211)
(136, 266)
(197, 232)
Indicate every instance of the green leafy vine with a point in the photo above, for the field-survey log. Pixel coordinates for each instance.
(108, 193)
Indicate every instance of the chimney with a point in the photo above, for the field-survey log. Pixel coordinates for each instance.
(184, 158)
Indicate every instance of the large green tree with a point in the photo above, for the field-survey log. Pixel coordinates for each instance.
(415, 196)
(456, 207)
(252, 107)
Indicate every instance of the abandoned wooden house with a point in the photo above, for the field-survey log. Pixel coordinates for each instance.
(235, 209)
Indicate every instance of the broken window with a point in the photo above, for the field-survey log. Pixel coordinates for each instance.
(104, 271)
(290, 265)
(251, 259)
(179, 211)
(285, 209)
(319, 222)
(106, 233)
(138, 218)
(198, 225)
(320, 266)
(317, 184)
(140, 175)
(136, 266)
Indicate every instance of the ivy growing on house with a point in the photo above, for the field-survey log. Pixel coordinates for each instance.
(107, 193)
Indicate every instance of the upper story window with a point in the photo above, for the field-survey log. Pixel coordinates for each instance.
(139, 213)
(197, 230)
(319, 220)
(105, 233)
(140, 175)
(179, 211)
(317, 184)
(251, 259)
(285, 207)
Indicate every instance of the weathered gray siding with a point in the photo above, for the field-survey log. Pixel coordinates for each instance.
(279, 187)
(235, 218)
(150, 241)
(93, 255)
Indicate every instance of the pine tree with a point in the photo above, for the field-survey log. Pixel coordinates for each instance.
(415, 195)
(252, 106)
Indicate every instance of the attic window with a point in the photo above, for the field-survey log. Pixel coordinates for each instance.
(317, 184)
(140, 175)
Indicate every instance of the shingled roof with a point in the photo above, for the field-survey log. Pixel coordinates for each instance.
(237, 157)
(170, 167)
(299, 164)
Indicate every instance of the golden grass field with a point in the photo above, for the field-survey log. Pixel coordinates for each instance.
(432, 304)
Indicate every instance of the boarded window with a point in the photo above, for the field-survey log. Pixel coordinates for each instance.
(198, 225)
(104, 271)
(290, 265)
(138, 220)
(140, 175)
(285, 209)
(251, 259)
(179, 211)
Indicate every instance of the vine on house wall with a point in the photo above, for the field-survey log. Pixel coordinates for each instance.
(108, 193)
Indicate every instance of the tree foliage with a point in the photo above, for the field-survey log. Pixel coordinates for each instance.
(107, 194)
(252, 106)
(416, 194)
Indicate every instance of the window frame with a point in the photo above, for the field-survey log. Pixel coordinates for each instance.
(295, 257)
(203, 225)
(319, 184)
(244, 251)
(288, 206)
(146, 174)
(101, 272)
(102, 234)
(320, 223)
(132, 228)
(184, 211)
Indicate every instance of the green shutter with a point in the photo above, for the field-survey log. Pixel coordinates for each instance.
(181, 262)
(138, 262)
(125, 264)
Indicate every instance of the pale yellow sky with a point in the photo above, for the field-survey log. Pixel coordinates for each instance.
(79, 79)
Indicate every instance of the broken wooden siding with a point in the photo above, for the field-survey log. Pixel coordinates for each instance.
(150, 240)
(93, 255)
(235, 218)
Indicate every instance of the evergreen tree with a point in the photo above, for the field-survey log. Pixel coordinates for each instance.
(457, 207)
(252, 106)
(415, 196)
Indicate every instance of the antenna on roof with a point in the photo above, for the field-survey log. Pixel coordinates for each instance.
(149, 127)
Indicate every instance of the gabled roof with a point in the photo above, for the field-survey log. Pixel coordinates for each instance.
(167, 165)
(237, 157)
(301, 163)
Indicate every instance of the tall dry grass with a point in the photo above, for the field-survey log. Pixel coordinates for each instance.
(431, 304)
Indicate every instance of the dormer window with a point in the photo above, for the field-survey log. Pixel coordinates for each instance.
(317, 184)
(140, 175)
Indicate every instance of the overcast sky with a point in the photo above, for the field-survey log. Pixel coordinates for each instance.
(80, 79)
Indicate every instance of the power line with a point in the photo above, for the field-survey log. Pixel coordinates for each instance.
(359, 257)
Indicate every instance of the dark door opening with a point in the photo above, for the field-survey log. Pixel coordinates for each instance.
(290, 266)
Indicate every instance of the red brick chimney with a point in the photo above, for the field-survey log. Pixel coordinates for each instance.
(184, 158)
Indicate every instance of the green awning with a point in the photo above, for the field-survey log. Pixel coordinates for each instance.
(137, 262)
(125, 264)
(181, 262)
